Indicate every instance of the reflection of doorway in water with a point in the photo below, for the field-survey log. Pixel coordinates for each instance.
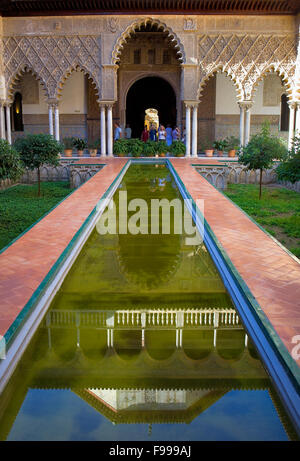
(150, 92)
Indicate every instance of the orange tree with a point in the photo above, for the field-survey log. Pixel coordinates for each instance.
(261, 151)
(37, 150)
(11, 166)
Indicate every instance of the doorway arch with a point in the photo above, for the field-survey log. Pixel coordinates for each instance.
(150, 92)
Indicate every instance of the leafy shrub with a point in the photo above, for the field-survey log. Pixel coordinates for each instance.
(11, 166)
(233, 143)
(289, 170)
(79, 143)
(177, 148)
(221, 144)
(162, 147)
(262, 149)
(135, 147)
(37, 150)
(68, 143)
(150, 148)
(121, 146)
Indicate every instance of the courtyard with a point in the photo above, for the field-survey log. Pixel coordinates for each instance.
(131, 334)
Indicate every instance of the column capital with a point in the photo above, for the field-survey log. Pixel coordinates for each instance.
(6, 102)
(105, 103)
(293, 104)
(191, 104)
(246, 105)
(52, 102)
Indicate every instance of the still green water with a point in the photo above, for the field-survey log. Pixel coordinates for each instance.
(142, 342)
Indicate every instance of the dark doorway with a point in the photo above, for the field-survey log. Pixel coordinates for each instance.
(150, 92)
(285, 114)
(17, 113)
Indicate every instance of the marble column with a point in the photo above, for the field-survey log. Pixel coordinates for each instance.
(8, 124)
(195, 131)
(242, 123)
(2, 122)
(56, 122)
(292, 106)
(50, 111)
(109, 131)
(247, 123)
(188, 130)
(297, 127)
(102, 130)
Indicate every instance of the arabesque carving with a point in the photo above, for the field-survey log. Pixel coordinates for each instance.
(247, 59)
(51, 59)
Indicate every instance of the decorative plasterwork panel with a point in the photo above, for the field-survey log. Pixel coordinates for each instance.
(246, 59)
(51, 59)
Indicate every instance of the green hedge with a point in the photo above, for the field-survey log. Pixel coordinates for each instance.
(137, 148)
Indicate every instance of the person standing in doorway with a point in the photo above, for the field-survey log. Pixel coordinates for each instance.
(145, 134)
(169, 135)
(118, 132)
(162, 133)
(127, 132)
(176, 134)
(153, 133)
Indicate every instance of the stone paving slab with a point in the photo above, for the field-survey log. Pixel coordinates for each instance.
(24, 264)
(271, 274)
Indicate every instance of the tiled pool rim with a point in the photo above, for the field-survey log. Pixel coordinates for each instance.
(281, 366)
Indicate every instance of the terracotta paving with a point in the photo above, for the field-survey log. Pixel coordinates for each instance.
(272, 275)
(26, 263)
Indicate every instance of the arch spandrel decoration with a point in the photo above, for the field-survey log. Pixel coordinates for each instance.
(49, 58)
(130, 30)
(245, 59)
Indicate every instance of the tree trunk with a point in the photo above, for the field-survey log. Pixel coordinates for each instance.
(39, 181)
(260, 183)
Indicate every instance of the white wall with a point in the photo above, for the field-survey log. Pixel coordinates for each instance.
(258, 107)
(226, 99)
(73, 98)
(226, 96)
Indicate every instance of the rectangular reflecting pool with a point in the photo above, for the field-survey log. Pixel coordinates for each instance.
(142, 342)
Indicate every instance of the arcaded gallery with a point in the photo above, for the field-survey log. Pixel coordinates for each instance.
(212, 75)
(148, 330)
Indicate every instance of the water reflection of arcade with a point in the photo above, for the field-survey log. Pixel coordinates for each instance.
(140, 366)
(150, 335)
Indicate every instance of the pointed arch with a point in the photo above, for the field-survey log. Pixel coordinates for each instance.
(131, 29)
(18, 74)
(274, 69)
(221, 68)
(68, 73)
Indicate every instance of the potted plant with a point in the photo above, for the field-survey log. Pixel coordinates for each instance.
(121, 147)
(135, 147)
(150, 148)
(93, 148)
(162, 148)
(178, 148)
(206, 146)
(80, 144)
(233, 145)
(220, 146)
(68, 146)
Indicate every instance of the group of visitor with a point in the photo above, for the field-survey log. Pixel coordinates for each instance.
(161, 134)
(119, 132)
